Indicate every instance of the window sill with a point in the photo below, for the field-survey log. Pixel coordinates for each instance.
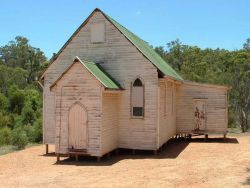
(98, 42)
(137, 117)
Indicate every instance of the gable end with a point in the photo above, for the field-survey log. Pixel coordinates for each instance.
(106, 80)
(148, 52)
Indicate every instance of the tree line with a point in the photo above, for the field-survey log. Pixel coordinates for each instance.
(21, 96)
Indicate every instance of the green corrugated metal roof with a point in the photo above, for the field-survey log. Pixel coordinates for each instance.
(100, 74)
(148, 51)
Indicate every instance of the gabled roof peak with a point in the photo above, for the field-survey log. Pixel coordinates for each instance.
(140, 44)
(97, 9)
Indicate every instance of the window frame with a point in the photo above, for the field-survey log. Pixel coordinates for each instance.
(92, 40)
(131, 95)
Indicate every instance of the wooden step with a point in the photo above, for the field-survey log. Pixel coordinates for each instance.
(74, 149)
(77, 151)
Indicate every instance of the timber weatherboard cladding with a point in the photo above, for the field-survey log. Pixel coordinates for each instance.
(109, 127)
(140, 44)
(121, 60)
(147, 51)
(167, 111)
(97, 71)
(216, 106)
(104, 89)
(78, 85)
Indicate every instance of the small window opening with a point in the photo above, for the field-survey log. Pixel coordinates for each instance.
(137, 83)
(137, 103)
(97, 33)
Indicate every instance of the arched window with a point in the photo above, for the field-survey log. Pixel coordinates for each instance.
(137, 99)
(137, 83)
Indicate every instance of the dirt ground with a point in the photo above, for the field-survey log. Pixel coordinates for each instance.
(181, 164)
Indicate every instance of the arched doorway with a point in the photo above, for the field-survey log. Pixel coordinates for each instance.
(77, 127)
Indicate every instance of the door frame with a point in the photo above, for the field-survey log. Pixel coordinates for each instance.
(205, 103)
(87, 129)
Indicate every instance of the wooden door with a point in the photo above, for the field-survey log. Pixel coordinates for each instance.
(200, 115)
(77, 127)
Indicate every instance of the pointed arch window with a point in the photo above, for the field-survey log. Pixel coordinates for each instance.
(137, 99)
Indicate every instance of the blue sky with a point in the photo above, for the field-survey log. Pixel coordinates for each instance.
(205, 23)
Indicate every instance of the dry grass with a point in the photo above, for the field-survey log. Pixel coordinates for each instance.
(7, 149)
(10, 148)
(196, 164)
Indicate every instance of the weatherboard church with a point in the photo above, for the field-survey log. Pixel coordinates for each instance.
(107, 89)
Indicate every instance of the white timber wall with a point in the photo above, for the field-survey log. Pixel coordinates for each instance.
(124, 63)
(110, 110)
(48, 113)
(78, 85)
(216, 106)
(167, 114)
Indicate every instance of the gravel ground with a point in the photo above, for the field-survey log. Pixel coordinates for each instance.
(181, 164)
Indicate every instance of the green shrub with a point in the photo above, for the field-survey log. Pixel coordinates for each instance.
(34, 132)
(5, 136)
(12, 121)
(29, 129)
(28, 114)
(19, 138)
(4, 120)
(4, 102)
(18, 120)
(232, 119)
(38, 132)
(33, 97)
(17, 99)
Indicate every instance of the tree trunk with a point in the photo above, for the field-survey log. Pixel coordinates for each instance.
(241, 118)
